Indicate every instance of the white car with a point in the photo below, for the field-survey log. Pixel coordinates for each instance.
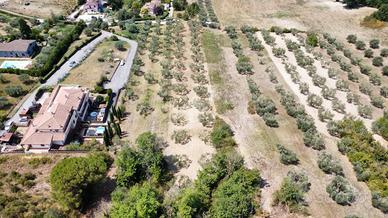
(72, 64)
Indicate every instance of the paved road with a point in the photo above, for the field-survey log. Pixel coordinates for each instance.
(122, 73)
(118, 80)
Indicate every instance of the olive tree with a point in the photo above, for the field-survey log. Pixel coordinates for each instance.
(324, 115)
(328, 164)
(314, 101)
(377, 101)
(374, 43)
(338, 106)
(384, 91)
(304, 88)
(340, 191)
(365, 111)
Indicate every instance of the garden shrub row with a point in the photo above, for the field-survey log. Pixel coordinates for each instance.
(311, 137)
(207, 16)
(263, 106)
(243, 65)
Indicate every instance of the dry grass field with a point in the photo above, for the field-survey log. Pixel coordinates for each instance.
(13, 80)
(321, 15)
(35, 8)
(27, 179)
(93, 69)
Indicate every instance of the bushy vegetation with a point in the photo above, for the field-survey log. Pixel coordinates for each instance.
(287, 156)
(368, 157)
(143, 163)
(329, 165)
(14, 91)
(264, 106)
(340, 191)
(380, 126)
(224, 188)
(222, 135)
(181, 137)
(291, 192)
(140, 200)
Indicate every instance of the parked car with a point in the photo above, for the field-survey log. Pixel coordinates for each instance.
(122, 63)
(72, 64)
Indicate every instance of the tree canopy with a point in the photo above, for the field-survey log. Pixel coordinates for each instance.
(145, 162)
(71, 177)
(25, 29)
(141, 200)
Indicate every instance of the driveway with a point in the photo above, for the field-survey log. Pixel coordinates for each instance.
(118, 81)
(122, 73)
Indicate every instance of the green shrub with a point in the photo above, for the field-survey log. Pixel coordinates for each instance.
(312, 39)
(139, 201)
(368, 157)
(384, 52)
(377, 101)
(382, 13)
(287, 157)
(384, 91)
(380, 126)
(374, 43)
(235, 196)
(222, 135)
(14, 91)
(329, 165)
(291, 193)
(377, 61)
(35, 162)
(368, 53)
(144, 163)
(360, 45)
(351, 38)
(380, 202)
(314, 140)
(340, 191)
(25, 79)
(385, 71)
(4, 103)
(195, 201)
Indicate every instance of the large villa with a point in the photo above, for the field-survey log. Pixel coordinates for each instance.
(58, 115)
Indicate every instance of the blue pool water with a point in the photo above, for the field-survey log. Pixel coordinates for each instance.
(15, 64)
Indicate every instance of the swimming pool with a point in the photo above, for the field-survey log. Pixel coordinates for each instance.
(16, 64)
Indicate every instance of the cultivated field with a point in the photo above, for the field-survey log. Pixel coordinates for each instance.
(164, 101)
